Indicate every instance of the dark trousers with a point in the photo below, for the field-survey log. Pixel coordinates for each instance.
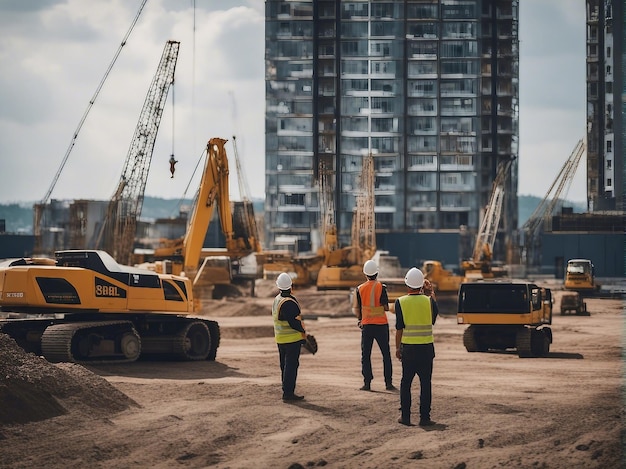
(423, 368)
(380, 334)
(289, 355)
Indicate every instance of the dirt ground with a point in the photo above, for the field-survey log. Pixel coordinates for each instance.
(492, 410)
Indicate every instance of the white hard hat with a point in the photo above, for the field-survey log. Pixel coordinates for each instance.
(370, 268)
(283, 282)
(414, 278)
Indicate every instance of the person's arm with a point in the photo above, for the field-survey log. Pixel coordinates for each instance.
(290, 312)
(434, 308)
(384, 298)
(356, 303)
(398, 342)
(399, 328)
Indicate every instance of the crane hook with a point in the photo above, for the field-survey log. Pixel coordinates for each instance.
(172, 165)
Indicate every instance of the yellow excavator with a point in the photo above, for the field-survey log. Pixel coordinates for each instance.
(84, 307)
(209, 268)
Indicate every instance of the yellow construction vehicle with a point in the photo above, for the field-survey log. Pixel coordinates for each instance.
(506, 315)
(210, 267)
(443, 280)
(580, 277)
(84, 307)
(342, 266)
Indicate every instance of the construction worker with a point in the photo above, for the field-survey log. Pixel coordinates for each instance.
(416, 314)
(289, 333)
(370, 304)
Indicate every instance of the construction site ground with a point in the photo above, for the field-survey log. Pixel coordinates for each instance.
(492, 410)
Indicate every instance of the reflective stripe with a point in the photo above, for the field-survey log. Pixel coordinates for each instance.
(372, 312)
(418, 319)
(283, 332)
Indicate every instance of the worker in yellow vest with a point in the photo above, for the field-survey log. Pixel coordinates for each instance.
(370, 306)
(289, 333)
(416, 314)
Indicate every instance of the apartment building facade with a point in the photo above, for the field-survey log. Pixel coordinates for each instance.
(428, 88)
(605, 105)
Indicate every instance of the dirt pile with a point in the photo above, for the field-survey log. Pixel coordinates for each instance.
(33, 389)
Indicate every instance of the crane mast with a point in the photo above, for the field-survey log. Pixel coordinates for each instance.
(485, 238)
(560, 186)
(363, 226)
(118, 230)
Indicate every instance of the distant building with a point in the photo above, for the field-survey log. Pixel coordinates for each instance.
(606, 103)
(428, 87)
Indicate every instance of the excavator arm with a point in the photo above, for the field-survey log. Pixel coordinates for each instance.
(213, 192)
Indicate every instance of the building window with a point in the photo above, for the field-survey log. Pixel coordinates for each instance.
(609, 163)
(609, 146)
(608, 52)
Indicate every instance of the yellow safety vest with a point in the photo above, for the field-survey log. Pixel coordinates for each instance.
(418, 319)
(283, 332)
(372, 312)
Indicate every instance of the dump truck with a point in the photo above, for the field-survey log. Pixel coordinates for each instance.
(84, 307)
(504, 315)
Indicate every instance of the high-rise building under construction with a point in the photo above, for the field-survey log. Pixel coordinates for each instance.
(429, 88)
(605, 105)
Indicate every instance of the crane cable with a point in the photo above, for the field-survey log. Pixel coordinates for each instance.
(90, 105)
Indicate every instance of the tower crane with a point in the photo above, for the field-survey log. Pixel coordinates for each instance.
(117, 233)
(482, 255)
(39, 209)
(560, 186)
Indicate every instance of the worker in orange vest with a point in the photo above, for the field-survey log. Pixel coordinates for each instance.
(370, 306)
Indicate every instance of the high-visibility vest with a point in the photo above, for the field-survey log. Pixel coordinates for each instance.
(372, 312)
(418, 319)
(283, 332)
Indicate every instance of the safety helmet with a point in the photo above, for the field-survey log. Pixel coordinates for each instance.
(370, 268)
(283, 282)
(414, 278)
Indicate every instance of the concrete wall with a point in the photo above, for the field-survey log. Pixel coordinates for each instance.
(606, 251)
(413, 248)
(14, 245)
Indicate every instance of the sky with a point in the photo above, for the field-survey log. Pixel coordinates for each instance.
(54, 54)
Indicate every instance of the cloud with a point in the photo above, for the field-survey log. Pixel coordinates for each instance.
(54, 56)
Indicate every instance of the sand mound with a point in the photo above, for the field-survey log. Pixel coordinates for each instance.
(33, 389)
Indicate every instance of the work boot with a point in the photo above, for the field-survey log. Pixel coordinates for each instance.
(390, 387)
(406, 422)
(426, 422)
(366, 387)
(292, 397)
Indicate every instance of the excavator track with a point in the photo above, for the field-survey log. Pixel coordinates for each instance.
(192, 340)
(91, 342)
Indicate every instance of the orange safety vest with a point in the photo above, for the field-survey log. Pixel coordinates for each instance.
(372, 312)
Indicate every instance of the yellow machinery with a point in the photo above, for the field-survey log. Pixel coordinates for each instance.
(186, 255)
(480, 264)
(503, 315)
(580, 277)
(84, 307)
(442, 279)
(342, 268)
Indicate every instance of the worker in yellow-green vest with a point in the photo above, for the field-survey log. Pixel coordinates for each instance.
(289, 333)
(416, 314)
